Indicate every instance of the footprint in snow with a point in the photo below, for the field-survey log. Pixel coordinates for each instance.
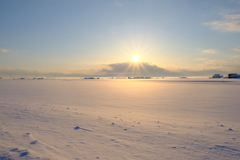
(27, 134)
(23, 154)
(76, 128)
(34, 142)
(14, 150)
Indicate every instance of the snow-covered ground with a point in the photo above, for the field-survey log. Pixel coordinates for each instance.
(165, 119)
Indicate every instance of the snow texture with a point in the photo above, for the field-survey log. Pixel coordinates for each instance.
(176, 119)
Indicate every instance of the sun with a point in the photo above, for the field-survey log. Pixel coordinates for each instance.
(135, 58)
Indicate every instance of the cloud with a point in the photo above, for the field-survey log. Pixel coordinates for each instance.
(118, 4)
(213, 62)
(229, 23)
(236, 49)
(227, 65)
(210, 51)
(4, 50)
(235, 1)
(207, 68)
(232, 16)
(136, 69)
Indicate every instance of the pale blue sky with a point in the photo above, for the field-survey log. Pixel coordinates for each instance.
(87, 37)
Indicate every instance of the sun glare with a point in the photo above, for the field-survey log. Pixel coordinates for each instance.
(135, 58)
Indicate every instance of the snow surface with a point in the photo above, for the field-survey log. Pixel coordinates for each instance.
(175, 119)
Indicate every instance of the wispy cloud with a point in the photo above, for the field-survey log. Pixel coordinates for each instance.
(4, 50)
(228, 65)
(235, 1)
(118, 4)
(229, 23)
(213, 63)
(236, 49)
(232, 16)
(210, 51)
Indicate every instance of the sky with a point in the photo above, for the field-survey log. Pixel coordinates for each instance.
(81, 38)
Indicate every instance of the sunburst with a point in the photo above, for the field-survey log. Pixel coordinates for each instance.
(135, 58)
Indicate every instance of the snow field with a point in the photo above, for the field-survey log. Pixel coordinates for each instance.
(120, 119)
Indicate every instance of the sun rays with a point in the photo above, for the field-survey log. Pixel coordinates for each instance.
(136, 69)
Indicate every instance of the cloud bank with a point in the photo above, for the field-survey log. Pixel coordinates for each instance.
(207, 67)
(135, 69)
(236, 49)
(4, 50)
(229, 23)
(210, 51)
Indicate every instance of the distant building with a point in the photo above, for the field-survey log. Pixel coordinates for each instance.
(139, 77)
(182, 77)
(91, 78)
(147, 77)
(216, 76)
(233, 75)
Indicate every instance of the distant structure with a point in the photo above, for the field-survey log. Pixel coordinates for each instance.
(233, 75)
(139, 77)
(182, 77)
(91, 78)
(216, 76)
